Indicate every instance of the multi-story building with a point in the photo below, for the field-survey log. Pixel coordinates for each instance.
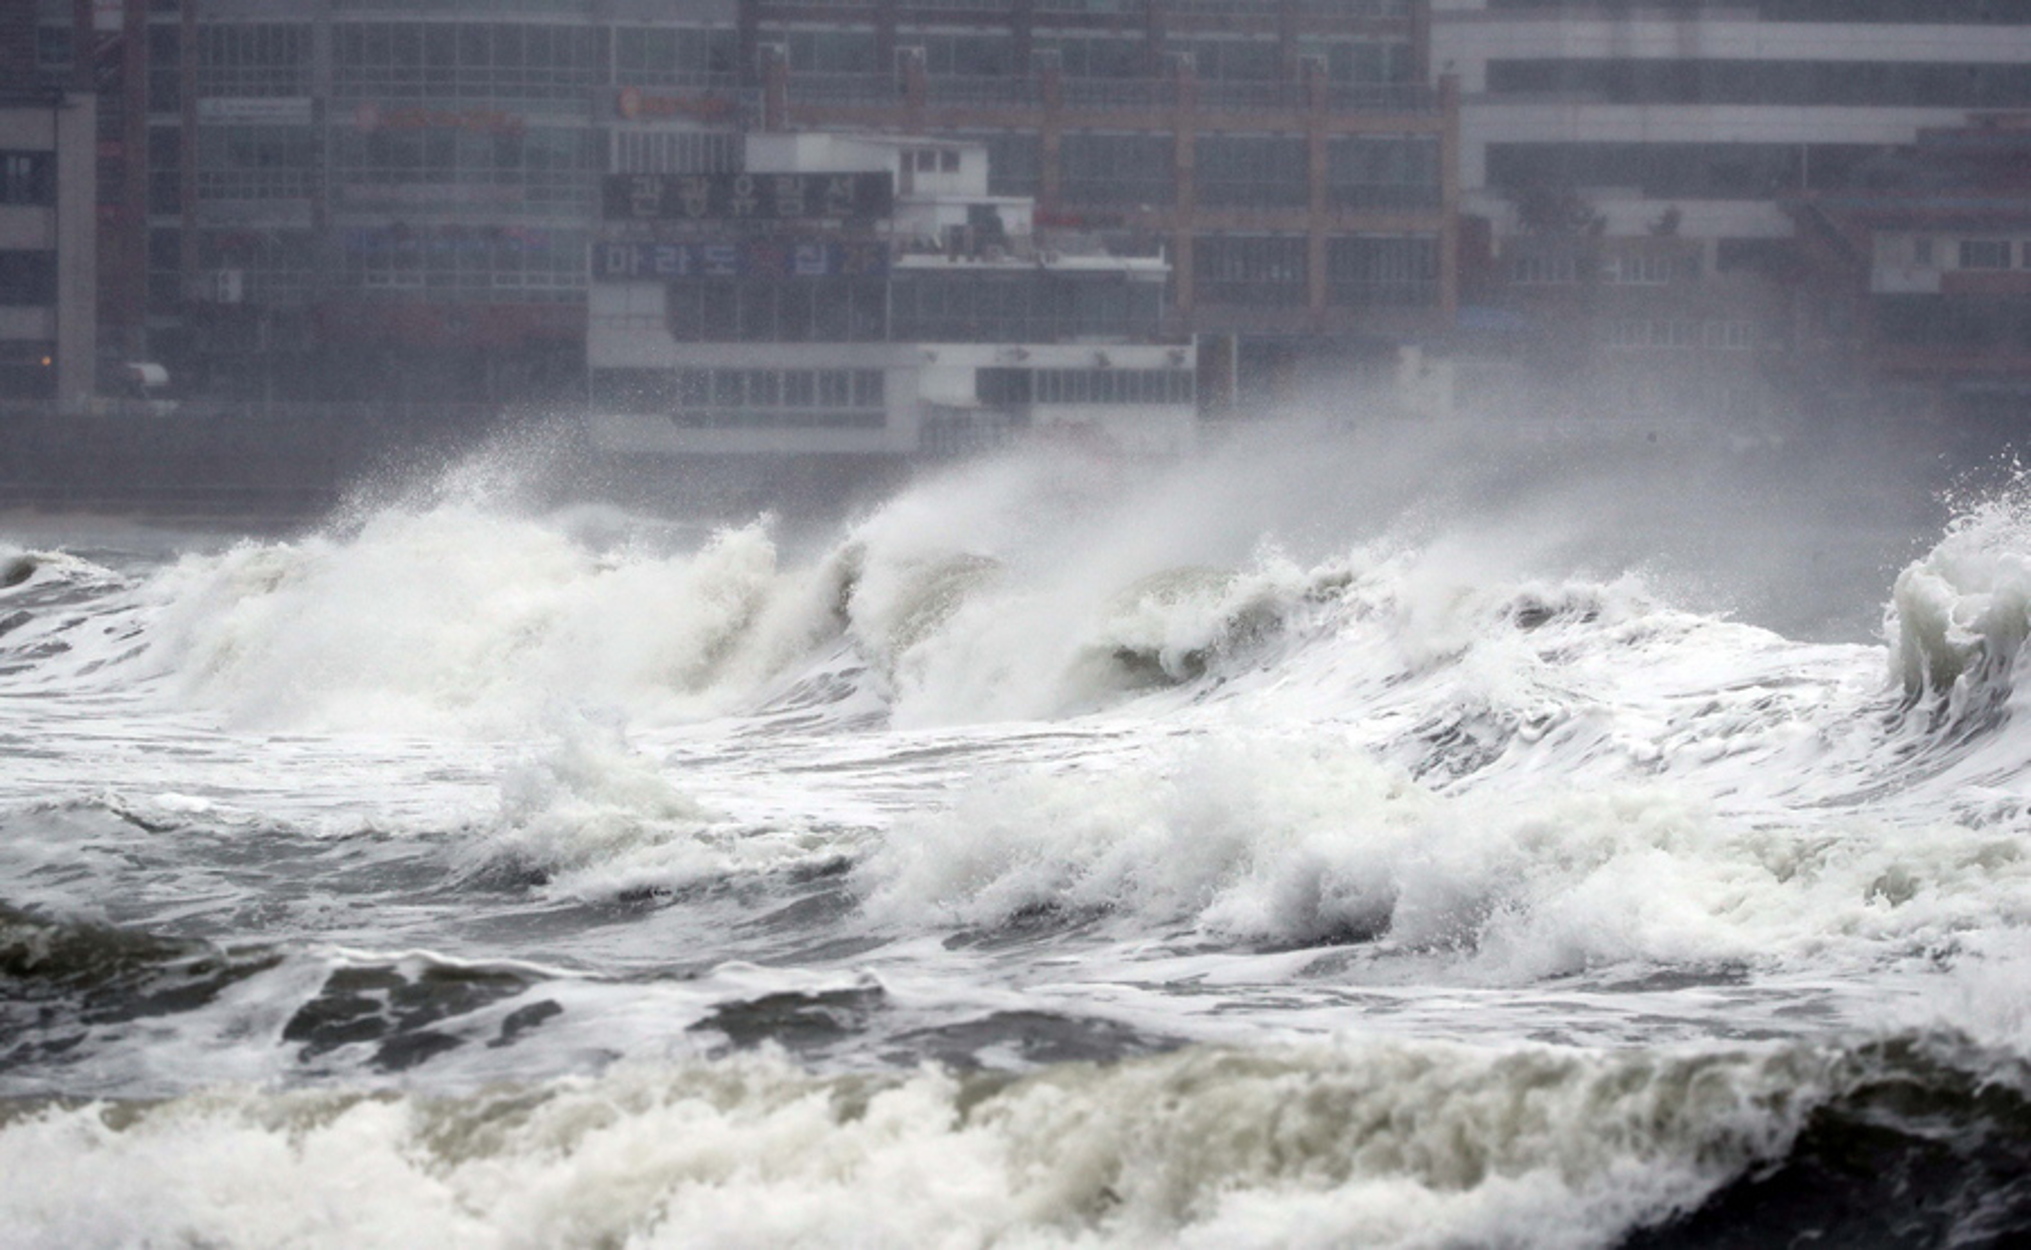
(1625, 164)
(868, 296)
(48, 339)
(393, 200)
(1291, 156)
(1922, 275)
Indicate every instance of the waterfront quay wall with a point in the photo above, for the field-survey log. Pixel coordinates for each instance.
(198, 459)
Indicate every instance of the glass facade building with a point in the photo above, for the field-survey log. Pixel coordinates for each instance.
(282, 169)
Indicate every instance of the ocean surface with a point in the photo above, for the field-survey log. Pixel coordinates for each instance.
(1363, 844)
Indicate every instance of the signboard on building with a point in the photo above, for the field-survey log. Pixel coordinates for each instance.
(747, 197)
(750, 258)
(636, 105)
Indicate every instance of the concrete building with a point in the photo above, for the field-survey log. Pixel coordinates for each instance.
(48, 273)
(1291, 155)
(1921, 276)
(867, 295)
(1624, 164)
(391, 201)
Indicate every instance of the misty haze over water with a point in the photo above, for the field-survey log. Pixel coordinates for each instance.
(1220, 623)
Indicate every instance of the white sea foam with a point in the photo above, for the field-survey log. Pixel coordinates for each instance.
(1958, 617)
(1307, 840)
(594, 817)
(463, 618)
(1384, 1144)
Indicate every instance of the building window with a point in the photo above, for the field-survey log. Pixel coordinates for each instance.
(1650, 80)
(931, 306)
(1121, 169)
(1545, 268)
(253, 60)
(257, 162)
(53, 51)
(1985, 253)
(1362, 61)
(968, 55)
(1371, 270)
(1013, 163)
(1391, 172)
(27, 279)
(1232, 60)
(830, 51)
(165, 69)
(676, 152)
(469, 158)
(1095, 56)
(747, 398)
(1638, 269)
(797, 310)
(1111, 386)
(1251, 170)
(663, 56)
(1264, 270)
(1667, 171)
(28, 178)
(1681, 333)
(1921, 250)
(466, 60)
(465, 263)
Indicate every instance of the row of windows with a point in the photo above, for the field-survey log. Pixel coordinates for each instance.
(1681, 332)
(1363, 271)
(27, 178)
(680, 152)
(271, 59)
(1700, 171)
(450, 262)
(253, 162)
(1084, 386)
(464, 263)
(455, 60)
(1022, 308)
(1872, 83)
(1249, 170)
(664, 55)
(993, 54)
(1918, 11)
(663, 390)
(756, 311)
(1566, 266)
(1980, 253)
(776, 419)
(541, 166)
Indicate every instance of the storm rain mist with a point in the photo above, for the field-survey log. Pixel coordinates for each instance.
(1093, 622)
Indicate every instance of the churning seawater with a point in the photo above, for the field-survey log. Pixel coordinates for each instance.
(1287, 852)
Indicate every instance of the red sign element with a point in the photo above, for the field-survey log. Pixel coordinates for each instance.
(634, 104)
(369, 116)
